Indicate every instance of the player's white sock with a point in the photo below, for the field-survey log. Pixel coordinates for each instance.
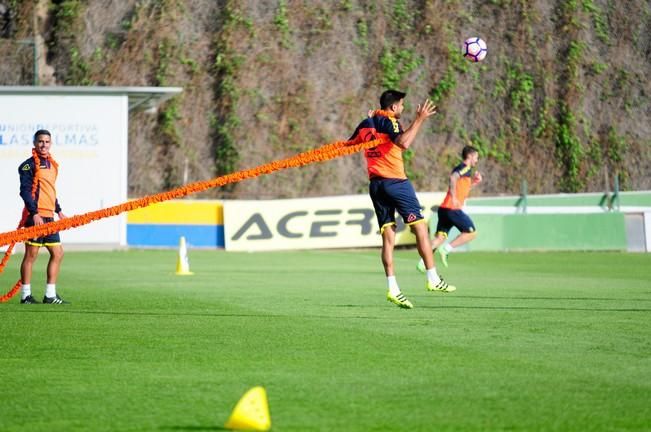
(50, 290)
(448, 248)
(394, 289)
(433, 276)
(25, 291)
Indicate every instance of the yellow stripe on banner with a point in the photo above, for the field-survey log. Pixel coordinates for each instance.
(187, 212)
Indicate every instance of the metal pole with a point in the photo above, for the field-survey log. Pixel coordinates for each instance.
(615, 201)
(35, 52)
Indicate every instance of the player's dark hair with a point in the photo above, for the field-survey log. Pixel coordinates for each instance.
(467, 151)
(42, 132)
(390, 97)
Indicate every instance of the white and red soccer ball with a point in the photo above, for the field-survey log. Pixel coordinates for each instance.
(475, 49)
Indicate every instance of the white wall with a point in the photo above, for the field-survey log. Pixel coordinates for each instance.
(89, 141)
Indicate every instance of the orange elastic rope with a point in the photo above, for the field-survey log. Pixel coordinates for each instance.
(12, 292)
(37, 172)
(324, 153)
(384, 113)
(5, 259)
(23, 218)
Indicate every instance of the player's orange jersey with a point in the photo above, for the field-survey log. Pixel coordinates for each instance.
(464, 184)
(385, 160)
(44, 202)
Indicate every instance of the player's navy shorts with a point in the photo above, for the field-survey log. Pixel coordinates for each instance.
(48, 240)
(391, 195)
(449, 218)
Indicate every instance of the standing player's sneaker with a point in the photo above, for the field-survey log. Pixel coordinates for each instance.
(442, 286)
(421, 266)
(399, 300)
(444, 256)
(29, 300)
(54, 300)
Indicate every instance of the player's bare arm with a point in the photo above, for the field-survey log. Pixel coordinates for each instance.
(423, 112)
(453, 189)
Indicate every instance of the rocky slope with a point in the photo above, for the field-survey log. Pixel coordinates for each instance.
(561, 101)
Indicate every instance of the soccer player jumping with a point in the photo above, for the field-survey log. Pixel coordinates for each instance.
(391, 191)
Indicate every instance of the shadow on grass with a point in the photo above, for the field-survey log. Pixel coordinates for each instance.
(187, 314)
(194, 428)
(137, 313)
(529, 308)
(557, 298)
(369, 307)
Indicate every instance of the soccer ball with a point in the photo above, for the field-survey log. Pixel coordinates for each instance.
(475, 49)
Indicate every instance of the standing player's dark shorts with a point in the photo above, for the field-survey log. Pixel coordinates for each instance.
(391, 195)
(48, 240)
(449, 218)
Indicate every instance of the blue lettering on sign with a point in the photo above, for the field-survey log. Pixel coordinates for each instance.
(70, 139)
(15, 139)
(85, 140)
(65, 134)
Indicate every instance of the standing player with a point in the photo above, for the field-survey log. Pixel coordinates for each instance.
(38, 176)
(463, 178)
(391, 191)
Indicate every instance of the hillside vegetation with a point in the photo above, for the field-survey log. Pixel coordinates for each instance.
(561, 101)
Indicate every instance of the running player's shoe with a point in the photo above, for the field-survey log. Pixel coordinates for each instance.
(399, 300)
(54, 300)
(442, 286)
(421, 266)
(444, 256)
(29, 300)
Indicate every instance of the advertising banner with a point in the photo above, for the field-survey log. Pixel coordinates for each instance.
(310, 223)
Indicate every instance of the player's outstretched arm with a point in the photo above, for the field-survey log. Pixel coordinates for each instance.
(424, 111)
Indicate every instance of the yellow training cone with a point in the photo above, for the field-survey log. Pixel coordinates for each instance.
(182, 263)
(251, 412)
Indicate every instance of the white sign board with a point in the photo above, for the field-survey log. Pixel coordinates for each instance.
(310, 223)
(89, 141)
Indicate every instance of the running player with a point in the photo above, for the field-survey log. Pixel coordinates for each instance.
(450, 214)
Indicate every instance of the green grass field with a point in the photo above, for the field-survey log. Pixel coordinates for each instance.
(529, 342)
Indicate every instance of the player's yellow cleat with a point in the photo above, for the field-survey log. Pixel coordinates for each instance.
(444, 256)
(442, 286)
(421, 266)
(399, 300)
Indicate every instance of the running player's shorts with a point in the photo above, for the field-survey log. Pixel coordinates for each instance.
(391, 195)
(449, 218)
(48, 240)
